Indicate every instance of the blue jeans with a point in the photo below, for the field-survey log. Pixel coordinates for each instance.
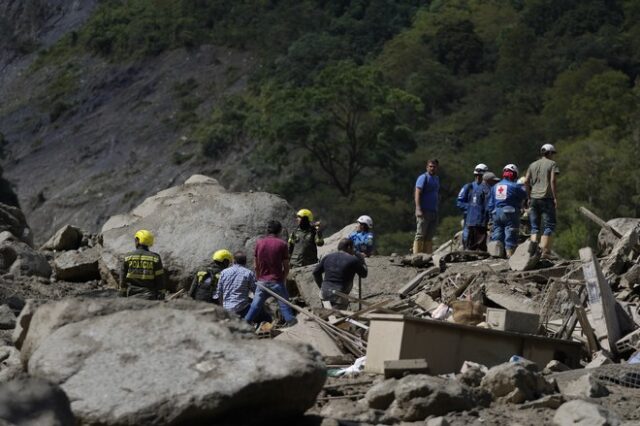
(506, 228)
(542, 210)
(261, 296)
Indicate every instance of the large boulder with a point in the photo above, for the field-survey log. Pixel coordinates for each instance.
(33, 402)
(175, 363)
(66, 238)
(20, 259)
(584, 413)
(12, 219)
(77, 265)
(193, 220)
(331, 242)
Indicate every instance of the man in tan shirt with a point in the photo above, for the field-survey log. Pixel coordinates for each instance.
(541, 181)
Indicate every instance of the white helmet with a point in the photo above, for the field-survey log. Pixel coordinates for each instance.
(547, 147)
(481, 169)
(511, 167)
(366, 220)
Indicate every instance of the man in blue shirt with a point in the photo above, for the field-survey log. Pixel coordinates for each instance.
(363, 237)
(504, 204)
(426, 201)
(472, 200)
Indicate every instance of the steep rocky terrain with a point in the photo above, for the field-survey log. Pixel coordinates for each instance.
(117, 137)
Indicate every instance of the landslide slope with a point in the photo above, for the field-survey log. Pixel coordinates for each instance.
(85, 138)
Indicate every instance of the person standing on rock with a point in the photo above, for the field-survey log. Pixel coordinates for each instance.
(305, 240)
(205, 282)
(339, 269)
(541, 184)
(507, 197)
(142, 274)
(362, 237)
(234, 286)
(272, 267)
(472, 200)
(426, 201)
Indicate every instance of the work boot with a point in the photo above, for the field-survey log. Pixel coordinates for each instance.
(545, 245)
(534, 238)
(417, 246)
(427, 247)
(290, 323)
(509, 253)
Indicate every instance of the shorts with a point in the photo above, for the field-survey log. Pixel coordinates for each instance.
(426, 226)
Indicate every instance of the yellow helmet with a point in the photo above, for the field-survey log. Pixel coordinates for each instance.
(144, 237)
(222, 255)
(305, 213)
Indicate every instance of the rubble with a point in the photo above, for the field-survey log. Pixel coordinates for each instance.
(515, 383)
(583, 413)
(66, 238)
(525, 257)
(585, 387)
(80, 266)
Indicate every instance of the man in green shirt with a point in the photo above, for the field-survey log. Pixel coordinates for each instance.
(541, 181)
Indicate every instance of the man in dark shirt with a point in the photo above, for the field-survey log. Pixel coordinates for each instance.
(272, 268)
(339, 268)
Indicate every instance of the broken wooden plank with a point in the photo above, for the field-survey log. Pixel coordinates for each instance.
(594, 218)
(408, 287)
(601, 302)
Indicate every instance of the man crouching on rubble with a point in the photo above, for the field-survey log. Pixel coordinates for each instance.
(339, 268)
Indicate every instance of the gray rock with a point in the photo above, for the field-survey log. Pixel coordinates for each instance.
(33, 402)
(525, 257)
(164, 365)
(7, 318)
(37, 320)
(631, 278)
(66, 238)
(20, 259)
(12, 220)
(193, 220)
(10, 365)
(309, 331)
(549, 401)
(419, 396)
(437, 421)
(381, 395)
(586, 387)
(606, 241)
(346, 410)
(472, 376)
(77, 266)
(583, 413)
(331, 241)
(513, 382)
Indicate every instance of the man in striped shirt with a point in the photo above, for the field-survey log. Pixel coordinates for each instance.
(234, 286)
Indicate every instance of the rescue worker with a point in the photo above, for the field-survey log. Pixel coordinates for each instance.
(541, 182)
(426, 200)
(339, 269)
(472, 200)
(305, 240)
(205, 282)
(505, 202)
(142, 273)
(362, 237)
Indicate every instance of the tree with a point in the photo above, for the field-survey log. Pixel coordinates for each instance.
(346, 121)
